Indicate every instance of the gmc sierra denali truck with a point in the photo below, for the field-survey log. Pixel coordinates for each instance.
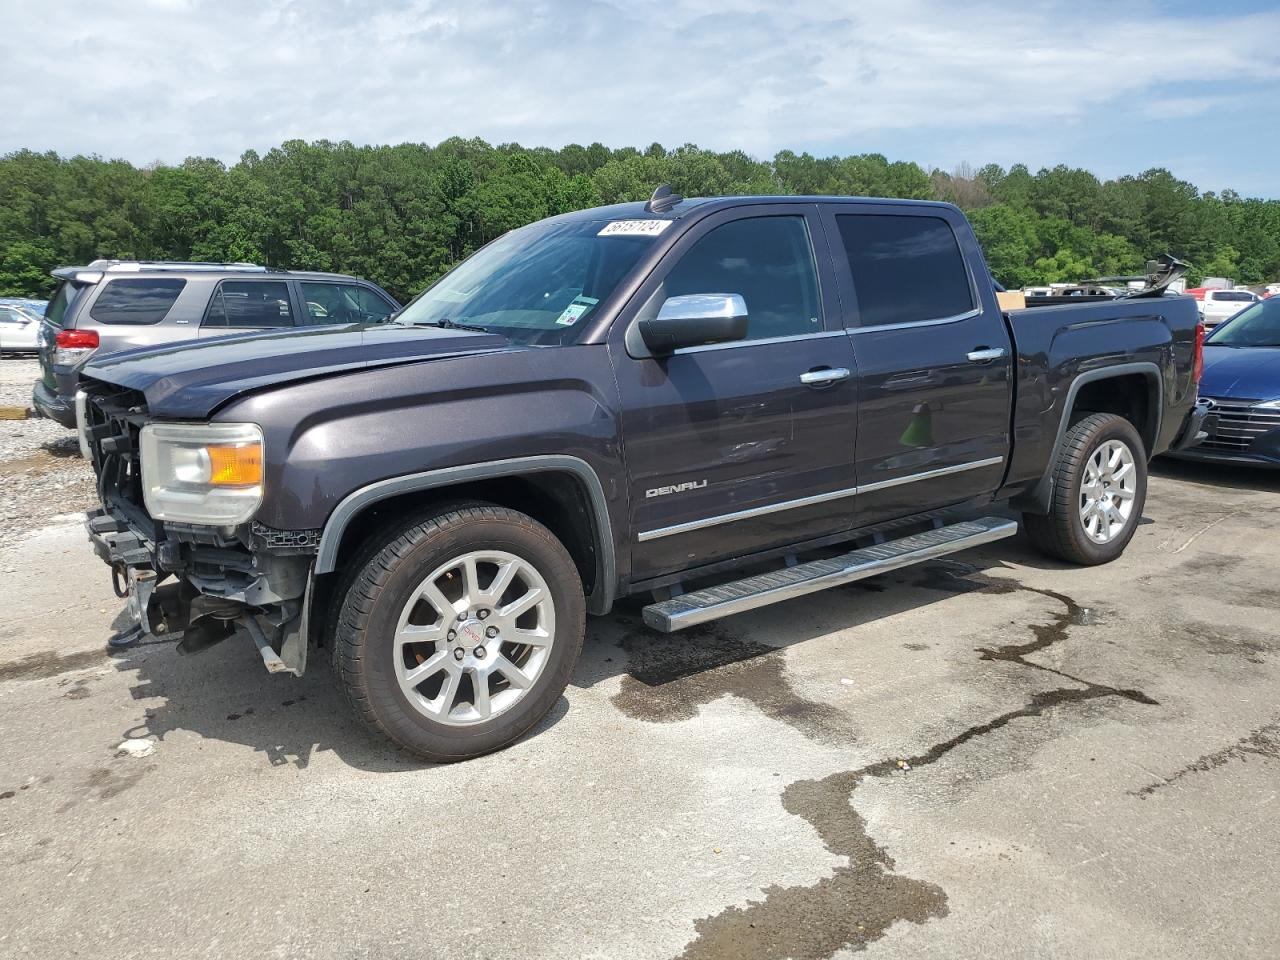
(636, 399)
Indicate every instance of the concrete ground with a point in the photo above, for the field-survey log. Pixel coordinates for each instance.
(987, 757)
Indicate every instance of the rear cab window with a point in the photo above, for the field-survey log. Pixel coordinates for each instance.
(906, 269)
(250, 304)
(136, 300)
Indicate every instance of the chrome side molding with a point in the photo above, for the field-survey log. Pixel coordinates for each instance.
(691, 525)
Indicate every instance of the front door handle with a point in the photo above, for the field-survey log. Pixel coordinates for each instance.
(985, 354)
(824, 376)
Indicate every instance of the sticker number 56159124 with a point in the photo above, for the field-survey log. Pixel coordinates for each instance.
(634, 228)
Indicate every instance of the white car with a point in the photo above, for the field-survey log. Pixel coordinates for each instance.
(18, 330)
(1219, 305)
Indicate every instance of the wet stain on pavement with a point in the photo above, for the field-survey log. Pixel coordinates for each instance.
(104, 784)
(671, 676)
(1227, 642)
(78, 690)
(960, 578)
(860, 901)
(37, 666)
(1263, 743)
(31, 782)
(1208, 563)
(1046, 634)
(1237, 591)
(852, 907)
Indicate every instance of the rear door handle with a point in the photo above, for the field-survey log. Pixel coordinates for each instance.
(826, 375)
(985, 354)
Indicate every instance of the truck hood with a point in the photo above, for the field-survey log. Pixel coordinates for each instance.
(1241, 373)
(191, 379)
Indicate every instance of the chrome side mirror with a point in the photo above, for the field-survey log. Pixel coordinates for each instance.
(694, 320)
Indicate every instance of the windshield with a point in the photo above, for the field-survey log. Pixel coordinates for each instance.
(537, 285)
(1255, 326)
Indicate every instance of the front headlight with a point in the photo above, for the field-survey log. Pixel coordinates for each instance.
(207, 473)
(1269, 405)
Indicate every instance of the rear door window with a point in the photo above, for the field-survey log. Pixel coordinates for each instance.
(337, 302)
(136, 301)
(905, 269)
(251, 304)
(1234, 296)
(61, 301)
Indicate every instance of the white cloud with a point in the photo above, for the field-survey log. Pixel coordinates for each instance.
(167, 78)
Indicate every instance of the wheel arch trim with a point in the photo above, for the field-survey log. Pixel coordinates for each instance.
(357, 501)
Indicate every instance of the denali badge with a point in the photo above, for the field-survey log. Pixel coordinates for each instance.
(677, 488)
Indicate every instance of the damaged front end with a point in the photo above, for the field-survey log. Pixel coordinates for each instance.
(204, 581)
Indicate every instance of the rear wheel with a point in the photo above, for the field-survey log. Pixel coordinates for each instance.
(460, 631)
(1100, 487)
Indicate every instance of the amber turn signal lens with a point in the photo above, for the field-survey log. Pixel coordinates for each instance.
(235, 466)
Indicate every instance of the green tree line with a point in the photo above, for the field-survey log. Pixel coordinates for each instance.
(402, 215)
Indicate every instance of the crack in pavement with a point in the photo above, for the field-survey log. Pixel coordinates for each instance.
(1263, 742)
(858, 902)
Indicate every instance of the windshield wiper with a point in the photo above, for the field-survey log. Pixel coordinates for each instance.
(447, 324)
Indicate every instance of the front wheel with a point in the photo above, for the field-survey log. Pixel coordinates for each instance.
(461, 631)
(1099, 489)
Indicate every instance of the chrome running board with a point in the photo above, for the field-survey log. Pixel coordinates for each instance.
(711, 603)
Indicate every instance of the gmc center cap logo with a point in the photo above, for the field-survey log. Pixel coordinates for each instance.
(472, 633)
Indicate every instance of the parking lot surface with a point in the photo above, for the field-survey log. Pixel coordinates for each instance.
(991, 756)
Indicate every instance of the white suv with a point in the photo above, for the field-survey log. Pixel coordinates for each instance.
(1219, 305)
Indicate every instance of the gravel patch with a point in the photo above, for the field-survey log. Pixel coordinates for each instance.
(17, 374)
(42, 475)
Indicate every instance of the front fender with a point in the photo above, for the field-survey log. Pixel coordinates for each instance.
(334, 445)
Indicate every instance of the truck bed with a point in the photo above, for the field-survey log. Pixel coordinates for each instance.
(1062, 348)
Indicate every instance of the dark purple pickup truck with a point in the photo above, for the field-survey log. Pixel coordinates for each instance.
(637, 399)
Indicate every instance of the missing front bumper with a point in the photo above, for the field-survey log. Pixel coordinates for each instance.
(207, 593)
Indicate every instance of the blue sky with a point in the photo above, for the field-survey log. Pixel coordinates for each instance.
(1114, 87)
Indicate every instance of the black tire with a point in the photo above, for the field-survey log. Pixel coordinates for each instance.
(380, 584)
(1062, 533)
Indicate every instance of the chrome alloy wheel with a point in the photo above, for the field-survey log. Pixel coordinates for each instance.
(474, 637)
(1107, 491)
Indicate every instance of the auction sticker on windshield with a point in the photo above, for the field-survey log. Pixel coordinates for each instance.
(574, 311)
(634, 228)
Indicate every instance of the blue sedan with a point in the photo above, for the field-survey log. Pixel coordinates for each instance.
(1242, 384)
